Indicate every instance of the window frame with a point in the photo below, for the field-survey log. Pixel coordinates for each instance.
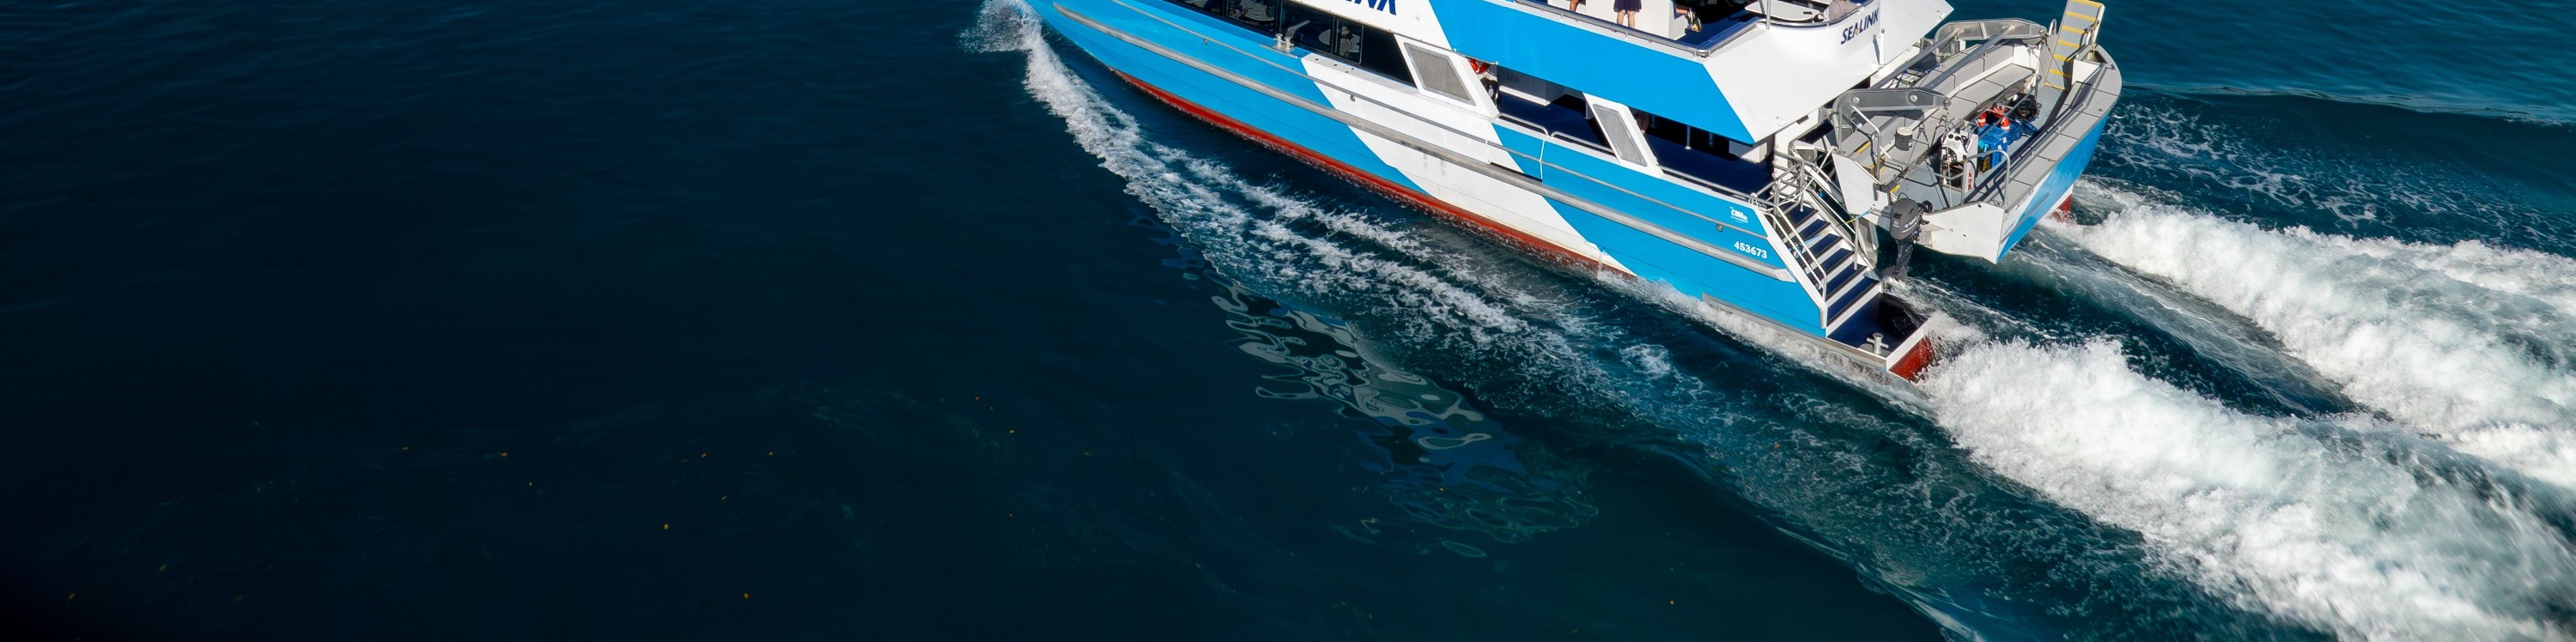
(1456, 68)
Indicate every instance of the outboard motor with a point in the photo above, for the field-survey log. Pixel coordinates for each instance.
(1904, 223)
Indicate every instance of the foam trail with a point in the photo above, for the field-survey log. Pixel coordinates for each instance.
(1437, 297)
(1410, 286)
(2254, 507)
(1253, 231)
(2469, 342)
(2354, 184)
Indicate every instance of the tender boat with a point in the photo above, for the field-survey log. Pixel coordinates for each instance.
(1776, 159)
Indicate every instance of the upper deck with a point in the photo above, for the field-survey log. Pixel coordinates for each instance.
(1742, 69)
(1704, 25)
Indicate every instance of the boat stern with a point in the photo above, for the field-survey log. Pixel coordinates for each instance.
(1968, 144)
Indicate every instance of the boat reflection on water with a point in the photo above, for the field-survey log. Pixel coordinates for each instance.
(1450, 467)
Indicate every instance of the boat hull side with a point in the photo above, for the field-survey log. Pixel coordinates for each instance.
(1381, 185)
(1313, 132)
(1326, 143)
(2054, 189)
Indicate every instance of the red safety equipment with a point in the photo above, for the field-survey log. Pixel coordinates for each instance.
(1994, 116)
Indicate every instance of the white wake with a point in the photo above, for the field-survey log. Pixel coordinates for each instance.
(2337, 540)
(2255, 508)
(2467, 342)
(1249, 229)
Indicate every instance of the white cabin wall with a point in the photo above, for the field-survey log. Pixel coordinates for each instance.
(1410, 18)
(1785, 73)
(1456, 128)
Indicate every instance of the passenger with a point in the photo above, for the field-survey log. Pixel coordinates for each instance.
(1627, 11)
(1485, 74)
(2026, 109)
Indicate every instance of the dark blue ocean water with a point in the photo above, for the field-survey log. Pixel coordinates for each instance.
(865, 320)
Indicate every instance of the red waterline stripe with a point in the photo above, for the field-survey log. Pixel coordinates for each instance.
(1371, 181)
(1909, 367)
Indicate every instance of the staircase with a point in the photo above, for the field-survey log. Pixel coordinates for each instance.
(2079, 29)
(1834, 267)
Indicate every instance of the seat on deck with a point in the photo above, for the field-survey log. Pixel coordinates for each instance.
(1731, 173)
(1548, 119)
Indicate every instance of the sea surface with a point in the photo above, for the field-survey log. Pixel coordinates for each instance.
(798, 320)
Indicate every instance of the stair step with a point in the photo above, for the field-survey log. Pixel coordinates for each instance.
(1836, 285)
(1809, 231)
(1800, 215)
(1835, 261)
(1835, 311)
(1823, 243)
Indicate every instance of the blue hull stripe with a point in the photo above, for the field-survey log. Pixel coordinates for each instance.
(1156, 64)
(2053, 189)
(1602, 64)
(1307, 128)
(1696, 274)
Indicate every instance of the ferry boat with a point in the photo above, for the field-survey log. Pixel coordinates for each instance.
(1776, 159)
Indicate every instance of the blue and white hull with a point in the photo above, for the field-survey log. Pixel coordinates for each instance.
(1657, 151)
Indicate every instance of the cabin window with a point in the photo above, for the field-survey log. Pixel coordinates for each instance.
(1696, 153)
(1259, 15)
(1382, 55)
(1349, 41)
(1346, 40)
(1551, 109)
(1437, 72)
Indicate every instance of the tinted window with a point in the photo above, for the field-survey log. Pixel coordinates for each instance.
(1213, 7)
(1379, 53)
(1318, 32)
(1348, 41)
(1261, 15)
(1688, 136)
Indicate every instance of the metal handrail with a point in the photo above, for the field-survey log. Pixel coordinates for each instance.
(1989, 29)
(1657, 230)
(1622, 31)
(1770, 7)
(1855, 105)
(1995, 33)
(1355, 95)
(1989, 43)
(1991, 187)
(1801, 187)
(1571, 139)
(1815, 279)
